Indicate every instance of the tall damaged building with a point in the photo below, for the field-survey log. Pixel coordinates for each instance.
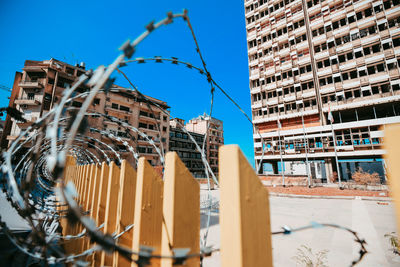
(324, 81)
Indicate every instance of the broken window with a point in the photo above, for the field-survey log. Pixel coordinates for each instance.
(123, 108)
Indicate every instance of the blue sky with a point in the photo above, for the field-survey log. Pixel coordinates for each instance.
(75, 31)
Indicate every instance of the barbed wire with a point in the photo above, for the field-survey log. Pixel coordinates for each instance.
(315, 225)
(53, 142)
(35, 162)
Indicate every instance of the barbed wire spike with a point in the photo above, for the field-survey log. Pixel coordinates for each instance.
(145, 254)
(150, 26)
(170, 17)
(180, 255)
(127, 49)
(174, 60)
(158, 59)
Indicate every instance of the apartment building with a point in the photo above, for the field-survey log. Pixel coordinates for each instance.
(215, 136)
(128, 106)
(41, 84)
(309, 59)
(180, 142)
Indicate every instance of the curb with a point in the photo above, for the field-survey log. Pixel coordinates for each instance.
(385, 199)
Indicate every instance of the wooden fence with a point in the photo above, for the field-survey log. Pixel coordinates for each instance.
(166, 213)
(392, 147)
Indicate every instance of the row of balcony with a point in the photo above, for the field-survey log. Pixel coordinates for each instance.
(149, 117)
(364, 59)
(336, 86)
(30, 84)
(27, 101)
(331, 70)
(323, 38)
(340, 101)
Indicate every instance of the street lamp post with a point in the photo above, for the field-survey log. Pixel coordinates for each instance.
(330, 118)
(280, 152)
(306, 149)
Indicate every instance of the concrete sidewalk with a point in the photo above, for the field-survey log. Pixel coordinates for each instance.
(385, 199)
(370, 220)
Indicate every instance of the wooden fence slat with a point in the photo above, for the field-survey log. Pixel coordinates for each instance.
(70, 161)
(75, 227)
(113, 190)
(78, 243)
(392, 147)
(66, 227)
(77, 173)
(63, 220)
(126, 210)
(70, 164)
(244, 212)
(86, 189)
(105, 169)
(76, 180)
(181, 211)
(148, 209)
(72, 246)
(69, 167)
(95, 196)
(82, 196)
(80, 183)
(102, 201)
(88, 199)
(74, 175)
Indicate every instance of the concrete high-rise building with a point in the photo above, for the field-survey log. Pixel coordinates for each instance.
(310, 58)
(40, 86)
(180, 142)
(215, 136)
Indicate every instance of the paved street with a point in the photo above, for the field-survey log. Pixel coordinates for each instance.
(371, 220)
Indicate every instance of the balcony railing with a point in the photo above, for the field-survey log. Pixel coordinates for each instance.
(27, 101)
(145, 141)
(30, 84)
(148, 129)
(148, 153)
(109, 108)
(150, 117)
(29, 121)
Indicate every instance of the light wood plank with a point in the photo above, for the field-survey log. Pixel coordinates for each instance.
(95, 196)
(88, 199)
(74, 244)
(81, 182)
(82, 197)
(244, 212)
(148, 209)
(113, 190)
(93, 206)
(86, 189)
(181, 211)
(102, 201)
(392, 147)
(126, 210)
(73, 228)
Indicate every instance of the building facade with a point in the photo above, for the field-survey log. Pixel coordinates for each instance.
(41, 84)
(309, 59)
(215, 136)
(180, 142)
